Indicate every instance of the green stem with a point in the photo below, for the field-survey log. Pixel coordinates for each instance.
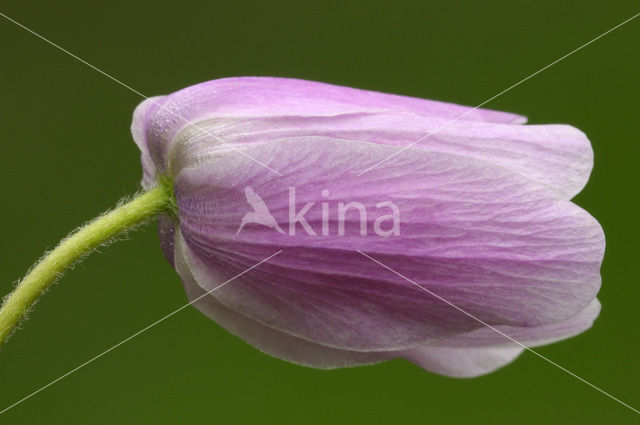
(76, 245)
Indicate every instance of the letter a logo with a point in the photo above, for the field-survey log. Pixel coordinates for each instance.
(260, 213)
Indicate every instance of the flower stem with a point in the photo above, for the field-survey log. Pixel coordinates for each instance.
(79, 243)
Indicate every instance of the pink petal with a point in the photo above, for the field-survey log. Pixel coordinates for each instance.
(462, 362)
(138, 129)
(263, 97)
(496, 244)
(531, 337)
(254, 109)
(559, 156)
(264, 338)
(484, 350)
(166, 235)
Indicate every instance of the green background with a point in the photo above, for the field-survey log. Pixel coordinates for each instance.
(67, 155)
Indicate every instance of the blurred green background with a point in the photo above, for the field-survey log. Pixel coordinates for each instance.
(67, 155)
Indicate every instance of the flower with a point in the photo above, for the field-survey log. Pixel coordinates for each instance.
(477, 213)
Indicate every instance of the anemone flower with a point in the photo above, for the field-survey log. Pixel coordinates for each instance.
(452, 252)
(333, 227)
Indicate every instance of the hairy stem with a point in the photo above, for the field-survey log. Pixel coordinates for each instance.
(79, 243)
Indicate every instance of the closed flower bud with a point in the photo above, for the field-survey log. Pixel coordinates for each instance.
(403, 228)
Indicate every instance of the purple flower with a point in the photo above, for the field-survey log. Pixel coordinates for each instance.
(478, 213)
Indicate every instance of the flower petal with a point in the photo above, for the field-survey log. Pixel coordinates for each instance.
(253, 109)
(166, 235)
(462, 362)
(484, 350)
(264, 338)
(531, 337)
(138, 130)
(559, 156)
(263, 97)
(498, 245)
